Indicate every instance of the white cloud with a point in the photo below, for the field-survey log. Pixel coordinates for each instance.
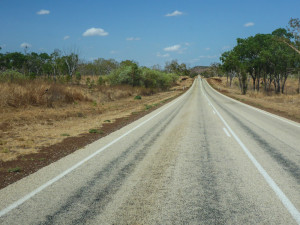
(250, 24)
(207, 49)
(66, 37)
(43, 12)
(187, 44)
(173, 48)
(95, 32)
(133, 39)
(113, 52)
(175, 13)
(25, 45)
(163, 56)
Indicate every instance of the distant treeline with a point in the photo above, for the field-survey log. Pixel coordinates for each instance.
(59, 66)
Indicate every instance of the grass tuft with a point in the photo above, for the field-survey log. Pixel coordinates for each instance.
(14, 170)
(96, 131)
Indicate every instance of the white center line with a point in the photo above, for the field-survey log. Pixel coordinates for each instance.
(283, 198)
(226, 132)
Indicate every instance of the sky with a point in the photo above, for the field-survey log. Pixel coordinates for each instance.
(195, 32)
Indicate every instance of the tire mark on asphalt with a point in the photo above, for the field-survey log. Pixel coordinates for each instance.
(92, 199)
(210, 209)
(291, 167)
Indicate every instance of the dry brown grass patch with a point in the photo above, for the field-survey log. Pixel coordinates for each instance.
(286, 105)
(25, 130)
(38, 93)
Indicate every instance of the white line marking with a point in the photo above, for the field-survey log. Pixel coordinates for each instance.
(226, 132)
(214, 112)
(283, 198)
(259, 110)
(50, 182)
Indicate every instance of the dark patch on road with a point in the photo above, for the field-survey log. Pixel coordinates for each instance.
(210, 211)
(291, 167)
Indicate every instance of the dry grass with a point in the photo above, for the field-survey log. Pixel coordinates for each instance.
(38, 93)
(286, 105)
(42, 93)
(26, 127)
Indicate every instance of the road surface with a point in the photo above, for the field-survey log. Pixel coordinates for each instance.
(201, 159)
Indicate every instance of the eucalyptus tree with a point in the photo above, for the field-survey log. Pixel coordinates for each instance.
(282, 58)
(294, 29)
(229, 66)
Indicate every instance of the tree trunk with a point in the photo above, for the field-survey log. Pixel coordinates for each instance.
(254, 82)
(258, 83)
(298, 82)
(244, 82)
(283, 83)
(278, 86)
(227, 79)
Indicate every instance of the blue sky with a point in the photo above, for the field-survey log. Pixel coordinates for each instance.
(150, 32)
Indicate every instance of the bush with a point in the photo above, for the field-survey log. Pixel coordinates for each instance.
(138, 97)
(142, 77)
(78, 77)
(12, 76)
(100, 80)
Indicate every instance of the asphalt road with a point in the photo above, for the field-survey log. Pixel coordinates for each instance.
(201, 159)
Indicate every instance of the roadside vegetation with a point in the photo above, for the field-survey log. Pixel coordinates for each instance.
(263, 70)
(47, 98)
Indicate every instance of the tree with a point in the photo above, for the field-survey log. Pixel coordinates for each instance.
(229, 66)
(130, 72)
(14, 60)
(105, 66)
(71, 60)
(175, 67)
(293, 38)
(215, 68)
(72, 63)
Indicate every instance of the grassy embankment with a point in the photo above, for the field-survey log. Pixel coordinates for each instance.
(286, 105)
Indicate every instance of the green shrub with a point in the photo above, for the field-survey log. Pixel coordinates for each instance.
(145, 77)
(14, 170)
(138, 97)
(78, 77)
(11, 76)
(95, 131)
(147, 107)
(100, 80)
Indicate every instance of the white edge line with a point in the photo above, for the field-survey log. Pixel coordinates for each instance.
(259, 110)
(214, 112)
(53, 180)
(283, 198)
(226, 132)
